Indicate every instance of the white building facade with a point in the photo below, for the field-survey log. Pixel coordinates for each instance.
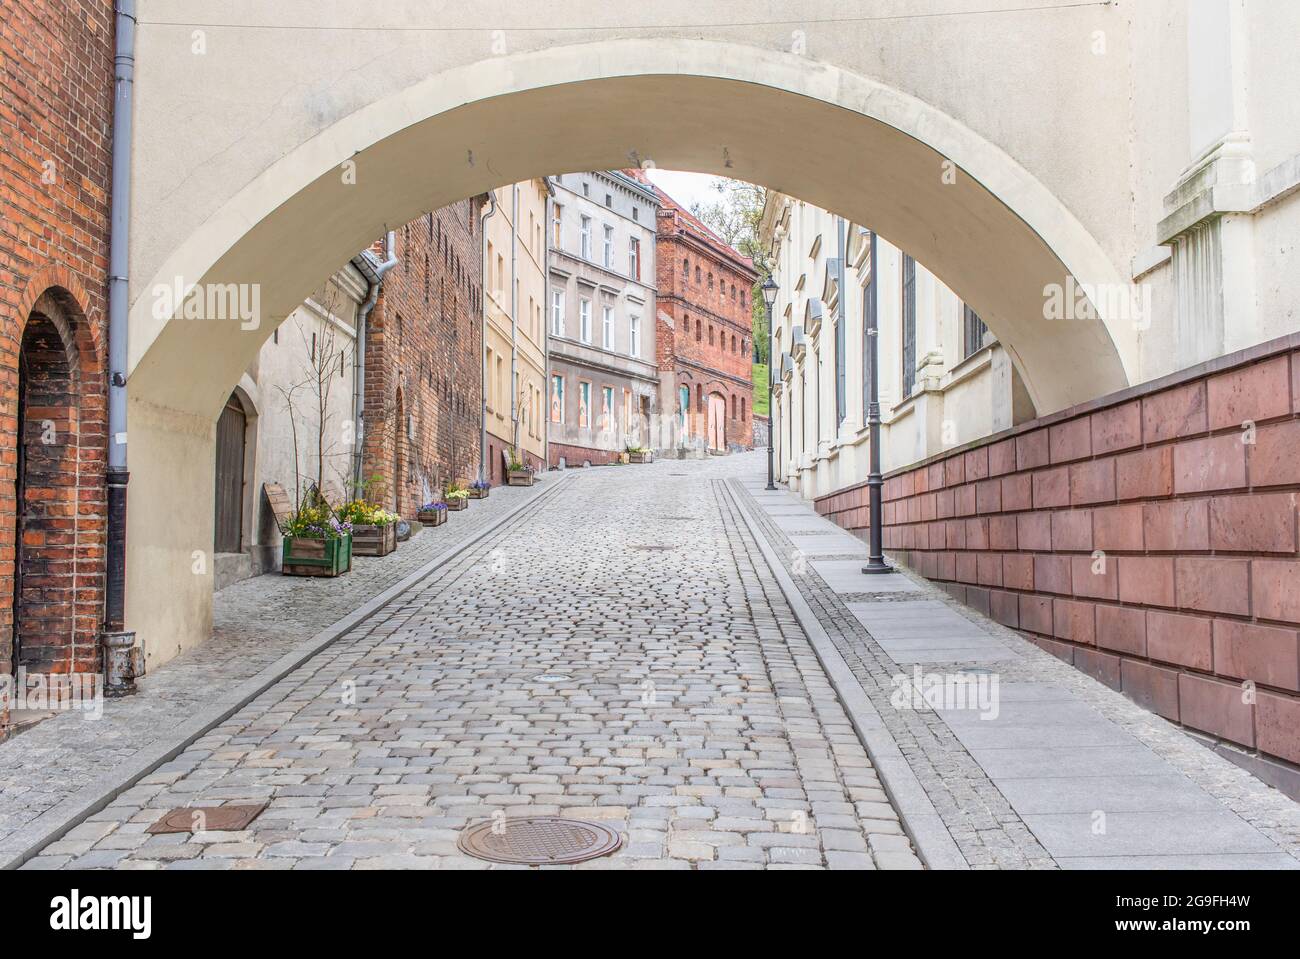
(603, 377)
(944, 379)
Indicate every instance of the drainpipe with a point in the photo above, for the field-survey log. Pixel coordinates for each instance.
(374, 277)
(545, 410)
(482, 351)
(514, 314)
(117, 641)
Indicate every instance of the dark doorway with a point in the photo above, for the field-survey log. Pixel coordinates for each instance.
(231, 430)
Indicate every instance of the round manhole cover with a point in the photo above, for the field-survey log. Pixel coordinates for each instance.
(553, 678)
(538, 841)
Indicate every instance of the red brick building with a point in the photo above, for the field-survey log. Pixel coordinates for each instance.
(704, 332)
(56, 102)
(423, 366)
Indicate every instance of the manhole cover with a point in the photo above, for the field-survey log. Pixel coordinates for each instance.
(207, 819)
(553, 678)
(538, 841)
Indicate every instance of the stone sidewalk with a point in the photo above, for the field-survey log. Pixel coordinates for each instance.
(621, 653)
(1064, 771)
(255, 623)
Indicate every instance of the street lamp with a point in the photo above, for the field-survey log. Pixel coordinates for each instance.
(875, 552)
(769, 299)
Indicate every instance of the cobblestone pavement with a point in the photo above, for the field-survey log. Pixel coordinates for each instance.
(987, 829)
(255, 622)
(620, 653)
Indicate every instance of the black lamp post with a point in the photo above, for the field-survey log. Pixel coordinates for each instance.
(769, 299)
(875, 553)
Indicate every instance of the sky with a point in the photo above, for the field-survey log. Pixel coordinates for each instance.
(685, 188)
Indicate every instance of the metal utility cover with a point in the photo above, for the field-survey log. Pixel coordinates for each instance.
(539, 841)
(232, 818)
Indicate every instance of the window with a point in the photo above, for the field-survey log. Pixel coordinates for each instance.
(586, 189)
(710, 281)
(557, 398)
(697, 274)
(699, 330)
(584, 404)
(492, 378)
(606, 407)
(627, 411)
(636, 213)
(584, 320)
(634, 349)
(557, 312)
(556, 232)
(972, 330)
(744, 407)
(634, 258)
(710, 334)
(607, 327)
(909, 325)
(609, 247)
(684, 408)
(609, 200)
(686, 268)
(585, 249)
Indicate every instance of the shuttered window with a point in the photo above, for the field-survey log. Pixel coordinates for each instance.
(909, 326)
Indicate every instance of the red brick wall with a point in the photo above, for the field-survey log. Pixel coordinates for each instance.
(1149, 538)
(709, 344)
(423, 359)
(56, 95)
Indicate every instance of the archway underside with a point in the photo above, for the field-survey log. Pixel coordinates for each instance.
(876, 175)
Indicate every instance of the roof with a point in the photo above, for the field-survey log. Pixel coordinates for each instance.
(695, 224)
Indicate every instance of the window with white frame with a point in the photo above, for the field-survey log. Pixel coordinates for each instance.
(584, 320)
(556, 230)
(634, 348)
(585, 249)
(607, 327)
(608, 251)
(557, 312)
(634, 259)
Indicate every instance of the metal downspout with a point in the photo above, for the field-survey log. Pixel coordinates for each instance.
(375, 278)
(116, 640)
(482, 364)
(514, 315)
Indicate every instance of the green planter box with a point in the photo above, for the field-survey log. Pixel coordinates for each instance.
(316, 557)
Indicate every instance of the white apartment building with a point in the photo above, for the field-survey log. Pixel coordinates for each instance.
(604, 377)
(944, 379)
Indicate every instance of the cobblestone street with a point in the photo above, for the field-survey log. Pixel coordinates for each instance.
(620, 653)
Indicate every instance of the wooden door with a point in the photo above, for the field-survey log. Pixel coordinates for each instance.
(717, 421)
(230, 478)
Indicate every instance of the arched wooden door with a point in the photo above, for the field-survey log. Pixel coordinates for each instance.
(717, 422)
(231, 430)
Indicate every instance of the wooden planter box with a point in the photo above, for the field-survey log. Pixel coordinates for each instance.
(479, 493)
(316, 557)
(374, 540)
(519, 478)
(640, 457)
(431, 517)
(457, 504)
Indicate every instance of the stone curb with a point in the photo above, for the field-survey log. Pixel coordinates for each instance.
(934, 844)
(27, 841)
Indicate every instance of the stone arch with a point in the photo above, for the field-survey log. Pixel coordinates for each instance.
(996, 234)
(51, 595)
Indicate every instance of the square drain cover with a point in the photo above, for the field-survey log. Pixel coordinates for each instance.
(538, 841)
(207, 818)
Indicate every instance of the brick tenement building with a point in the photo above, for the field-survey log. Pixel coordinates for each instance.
(423, 372)
(1148, 537)
(56, 101)
(704, 332)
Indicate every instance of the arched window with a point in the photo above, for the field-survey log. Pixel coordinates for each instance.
(697, 274)
(686, 268)
(710, 334)
(699, 330)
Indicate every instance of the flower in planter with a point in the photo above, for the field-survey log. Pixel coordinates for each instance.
(360, 513)
(480, 485)
(432, 506)
(316, 521)
(456, 494)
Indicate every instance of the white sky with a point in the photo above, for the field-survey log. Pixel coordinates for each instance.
(685, 188)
